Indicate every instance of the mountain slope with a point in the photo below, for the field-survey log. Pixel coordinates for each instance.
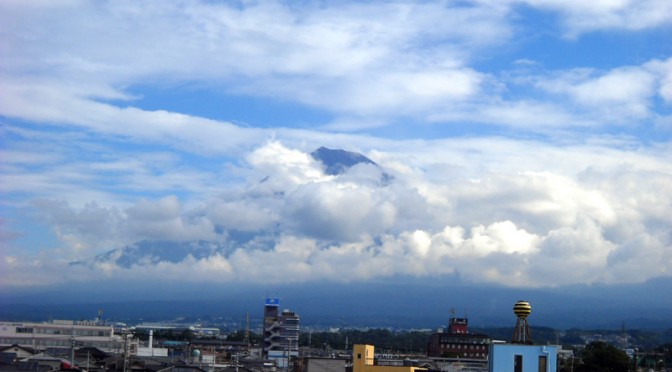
(338, 161)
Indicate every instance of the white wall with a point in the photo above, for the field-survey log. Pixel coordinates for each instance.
(502, 357)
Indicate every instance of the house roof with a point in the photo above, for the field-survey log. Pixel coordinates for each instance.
(93, 352)
(46, 357)
(14, 347)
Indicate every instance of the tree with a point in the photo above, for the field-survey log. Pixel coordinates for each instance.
(239, 335)
(186, 335)
(601, 357)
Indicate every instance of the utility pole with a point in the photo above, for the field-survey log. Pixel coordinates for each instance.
(247, 329)
(73, 343)
(72, 349)
(126, 357)
(289, 351)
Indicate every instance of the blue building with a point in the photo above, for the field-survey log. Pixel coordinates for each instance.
(523, 358)
(521, 355)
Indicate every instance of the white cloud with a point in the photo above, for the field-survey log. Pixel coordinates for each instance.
(516, 228)
(585, 16)
(86, 231)
(274, 43)
(243, 215)
(621, 94)
(284, 168)
(338, 211)
(367, 64)
(663, 69)
(581, 247)
(164, 219)
(531, 115)
(107, 173)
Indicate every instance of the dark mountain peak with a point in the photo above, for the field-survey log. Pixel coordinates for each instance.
(338, 161)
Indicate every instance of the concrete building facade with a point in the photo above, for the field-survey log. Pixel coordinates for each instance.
(523, 358)
(40, 336)
(281, 334)
(363, 360)
(458, 343)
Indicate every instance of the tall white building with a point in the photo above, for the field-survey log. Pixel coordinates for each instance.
(281, 334)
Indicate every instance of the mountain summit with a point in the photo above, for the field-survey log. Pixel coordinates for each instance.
(338, 161)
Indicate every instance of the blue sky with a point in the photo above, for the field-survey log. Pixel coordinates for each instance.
(525, 138)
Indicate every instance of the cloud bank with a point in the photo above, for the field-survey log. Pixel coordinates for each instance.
(290, 222)
(190, 124)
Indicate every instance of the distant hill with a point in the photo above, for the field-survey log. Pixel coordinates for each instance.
(395, 303)
(149, 252)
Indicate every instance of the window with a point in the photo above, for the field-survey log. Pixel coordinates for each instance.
(359, 356)
(517, 363)
(543, 363)
(24, 330)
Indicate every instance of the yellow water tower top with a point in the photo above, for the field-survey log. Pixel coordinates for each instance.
(522, 309)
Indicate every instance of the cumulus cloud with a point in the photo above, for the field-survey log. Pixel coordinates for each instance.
(244, 214)
(289, 168)
(518, 229)
(89, 229)
(338, 212)
(92, 229)
(164, 219)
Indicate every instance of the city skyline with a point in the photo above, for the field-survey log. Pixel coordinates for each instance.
(527, 143)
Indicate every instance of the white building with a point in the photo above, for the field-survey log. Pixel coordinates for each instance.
(60, 333)
(281, 334)
(284, 340)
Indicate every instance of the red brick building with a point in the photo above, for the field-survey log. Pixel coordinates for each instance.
(458, 342)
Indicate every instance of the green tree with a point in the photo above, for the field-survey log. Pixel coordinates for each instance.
(239, 335)
(186, 335)
(384, 340)
(601, 357)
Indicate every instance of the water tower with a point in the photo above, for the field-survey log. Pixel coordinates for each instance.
(521, 334)
(196, 356)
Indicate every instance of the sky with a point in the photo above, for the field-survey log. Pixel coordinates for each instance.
(529, 141)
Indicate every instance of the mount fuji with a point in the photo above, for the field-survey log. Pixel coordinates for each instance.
(336, 162)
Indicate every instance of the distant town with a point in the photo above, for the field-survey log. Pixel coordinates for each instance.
(279, 342)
